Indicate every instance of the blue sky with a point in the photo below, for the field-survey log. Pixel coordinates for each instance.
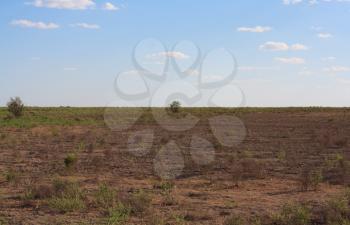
(69, 52)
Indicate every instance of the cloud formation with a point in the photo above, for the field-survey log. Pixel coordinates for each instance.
(64, 4)
(86, 26)
(281, 46)
(110, 6)
(173, 54)
(35, 25)
(291, 60)
(257, 29)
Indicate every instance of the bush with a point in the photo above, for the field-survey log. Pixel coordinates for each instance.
(293, 214)
(15, 107)
(175, 107)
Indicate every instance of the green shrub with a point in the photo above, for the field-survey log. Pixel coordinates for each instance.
(15, 107)
(175, 107)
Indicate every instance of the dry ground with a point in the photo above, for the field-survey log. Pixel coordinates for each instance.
(252, 180)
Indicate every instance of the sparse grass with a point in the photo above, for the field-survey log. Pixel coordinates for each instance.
(105, 197)
(117, 215)
(140, 201)
(310, 178)
(11, 176)
(234, 220)
(293, 214)
(68, 197)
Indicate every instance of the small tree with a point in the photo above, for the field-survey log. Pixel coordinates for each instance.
(175, 106)
(15, 106)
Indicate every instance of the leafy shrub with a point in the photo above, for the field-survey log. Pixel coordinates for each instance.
(293, 214)
(175, 107)
(15, 107)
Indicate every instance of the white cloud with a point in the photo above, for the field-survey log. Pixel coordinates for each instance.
(281, 46)
(35, 25)
(257, 68)
(86, 25)
(337, 69)
(110, 6)
(324, 35)
(291, 60)
(274, 46)
(298, 47)
(257, 29)
(292, 2)
(64, 4)
(311, 2)
(174, 54)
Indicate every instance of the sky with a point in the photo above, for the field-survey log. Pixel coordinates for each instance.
(117, 52)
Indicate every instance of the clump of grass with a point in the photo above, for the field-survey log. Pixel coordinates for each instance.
(164, 186)
(140, 201)
(293, 214)
(234, 220)
(11, 176)
(105, 197)
(3, 221)
(118, 215)
(310, 178)
(70, 160)
(68, 197)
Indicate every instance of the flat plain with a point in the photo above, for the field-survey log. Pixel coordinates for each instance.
(66, 166)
